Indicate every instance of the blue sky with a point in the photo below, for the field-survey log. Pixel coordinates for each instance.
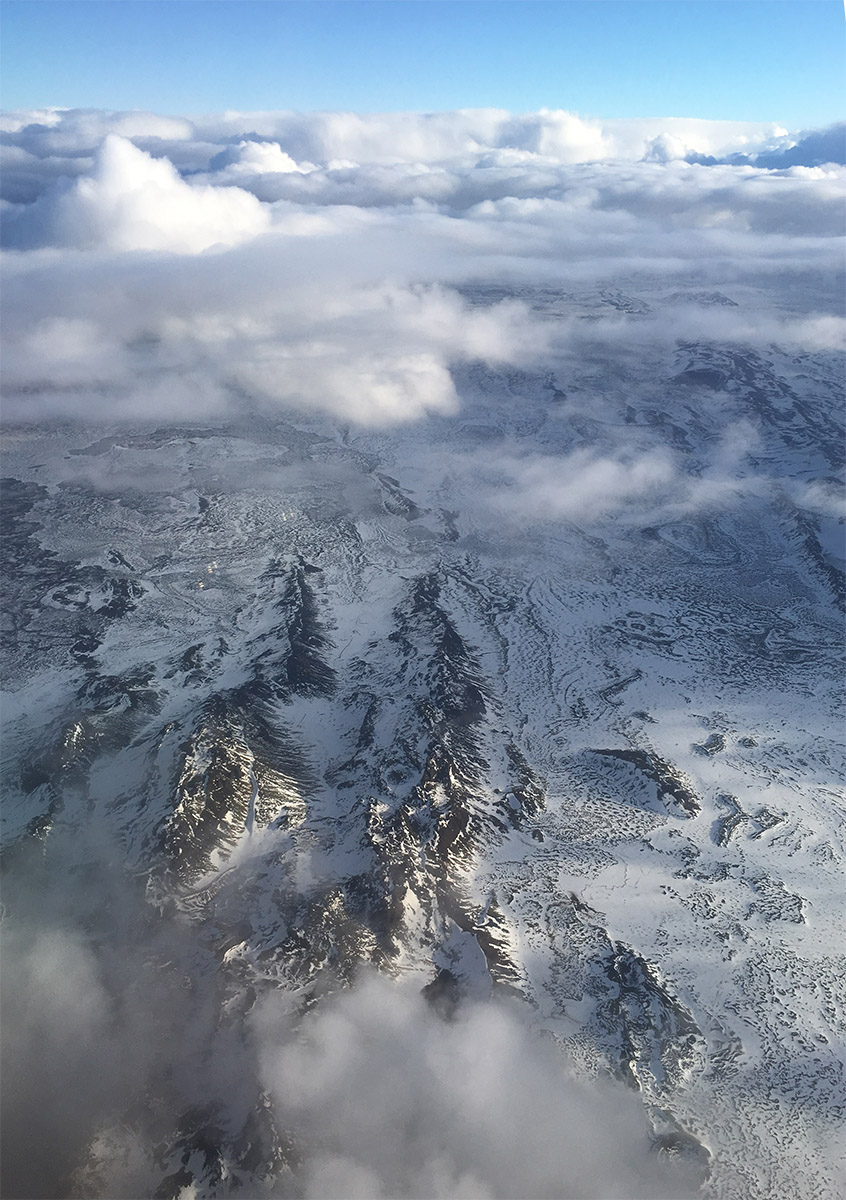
(779, 60)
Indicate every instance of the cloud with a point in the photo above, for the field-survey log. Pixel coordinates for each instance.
(25, 175)
(427, 137)
(334, 140)
(332, 262)
(520, 489)
(385, 138)
(390, 1100)
(179, 341)
(86, 1009)
(583, 485)
(251, 158)
(115, 1039)
(811, 148)
(134, 202)
(381, 355)
(302, 318)
(55, 1012)
(393, 388)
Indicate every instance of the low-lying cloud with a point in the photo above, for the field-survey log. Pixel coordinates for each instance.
(161, 268)
(394, 1101)
(114, 1041)
(581, 485)
(169, 340)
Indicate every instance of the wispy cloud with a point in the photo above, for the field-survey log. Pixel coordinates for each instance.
(111, 1040)
(390, 1100)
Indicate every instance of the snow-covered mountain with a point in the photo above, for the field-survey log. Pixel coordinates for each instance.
(342, 699)
(423, 744)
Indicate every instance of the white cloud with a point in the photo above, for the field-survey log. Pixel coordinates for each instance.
(665, 147)
(14, 122)
(385, 1099)
(250, 158)
(583, 485)
(300, 320)
(81, 130)
(68, 350)
(107, 1054)
(372, 389)
(331, 285)
(134, 202)
(428, 137)
(556, 134)
(376, 355)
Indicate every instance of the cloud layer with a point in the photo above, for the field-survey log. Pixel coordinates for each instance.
(157, 266)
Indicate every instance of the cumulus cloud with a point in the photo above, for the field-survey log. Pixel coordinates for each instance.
(90, 1012)
(177, 339)
(427, 137)
(251, 158)
(334, 140)
(392, 388)
(811, 148)
(521, 488)
(132, 201)
(56, 1012)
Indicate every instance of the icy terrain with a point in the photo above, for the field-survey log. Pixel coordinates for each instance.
(531, 704)
(341, 708)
